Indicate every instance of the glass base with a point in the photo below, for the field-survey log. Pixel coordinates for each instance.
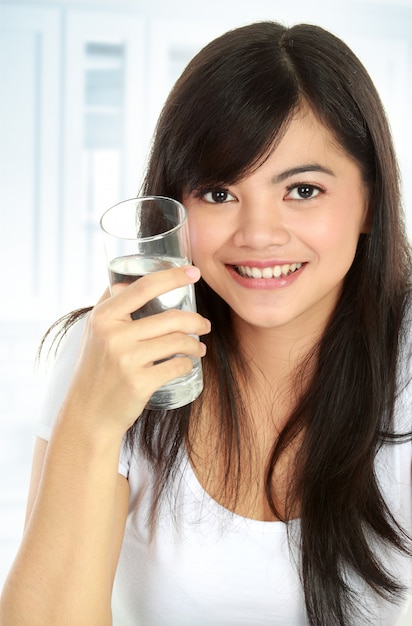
(178, 392)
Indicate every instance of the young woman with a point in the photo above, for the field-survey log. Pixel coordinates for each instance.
(282, 495)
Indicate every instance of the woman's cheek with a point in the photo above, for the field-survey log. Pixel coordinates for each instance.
(199, 235)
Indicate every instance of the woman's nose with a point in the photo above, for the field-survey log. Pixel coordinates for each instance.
(261, 224)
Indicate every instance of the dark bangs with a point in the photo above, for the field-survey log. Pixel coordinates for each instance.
(225, 113)
(341, 93)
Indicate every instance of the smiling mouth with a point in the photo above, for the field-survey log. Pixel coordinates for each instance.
(276, 271)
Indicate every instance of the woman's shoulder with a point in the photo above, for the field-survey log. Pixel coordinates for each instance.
(61, 354)
(403, 400)
(405, 344)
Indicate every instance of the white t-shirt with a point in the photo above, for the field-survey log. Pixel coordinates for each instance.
(202, 565)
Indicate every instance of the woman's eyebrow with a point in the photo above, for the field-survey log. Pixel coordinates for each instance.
(310, 167)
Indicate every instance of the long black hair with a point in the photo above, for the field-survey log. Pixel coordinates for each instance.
(222, 118)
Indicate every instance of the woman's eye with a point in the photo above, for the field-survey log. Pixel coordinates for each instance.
(217, 196)
(303, 192)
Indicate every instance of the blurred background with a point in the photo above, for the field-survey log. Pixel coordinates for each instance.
(81, 86)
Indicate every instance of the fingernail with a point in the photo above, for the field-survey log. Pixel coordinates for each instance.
(192, 272)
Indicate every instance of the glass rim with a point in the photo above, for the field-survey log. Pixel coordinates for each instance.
(161, 235)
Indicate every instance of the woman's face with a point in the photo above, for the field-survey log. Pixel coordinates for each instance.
(277, 245)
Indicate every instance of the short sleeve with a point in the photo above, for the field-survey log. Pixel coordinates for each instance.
(57, 383)
(58, 378)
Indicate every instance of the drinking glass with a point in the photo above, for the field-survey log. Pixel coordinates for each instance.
(145, 235)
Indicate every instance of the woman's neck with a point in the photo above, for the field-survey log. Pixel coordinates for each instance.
(276, 353)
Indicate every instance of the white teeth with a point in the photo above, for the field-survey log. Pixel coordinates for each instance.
(268, 272)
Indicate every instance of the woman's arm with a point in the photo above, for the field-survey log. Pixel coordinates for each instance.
(77, 509)
(63, 572)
